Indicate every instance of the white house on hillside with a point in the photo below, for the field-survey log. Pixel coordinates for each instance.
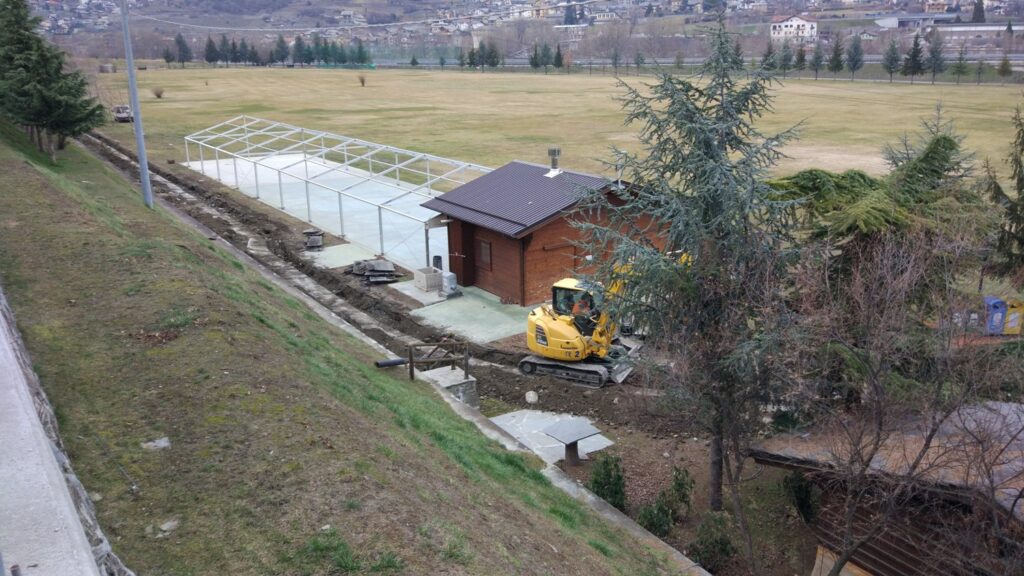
(794, 28)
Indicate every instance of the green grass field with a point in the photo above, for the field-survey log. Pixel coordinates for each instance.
(290, 453)
(493, 118)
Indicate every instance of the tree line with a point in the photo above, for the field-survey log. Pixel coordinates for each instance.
(38, 89)
(316, 51)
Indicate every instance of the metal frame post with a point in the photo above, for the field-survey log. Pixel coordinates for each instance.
(202, 161)
(380, 228)
(216, 160)
(280, 191)
(341, 216)
(188, 159)
(256, 176)
(234, 161)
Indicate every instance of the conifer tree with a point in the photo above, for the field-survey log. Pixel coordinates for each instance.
(243, 51)
(224, 49)
(854, 56)
(1005, 70)
(557, 62)
(184, 50)
(817, 59)
(697, 185)
(280, 51)
(211, 54)
(254, 55)
(545, 57)
(959, 67)
(460, 57)
(299, 50)
(361, 55)
(913, 62)
(493, 58)
(168, 56)
(639, 60)
(472, 58)
(1008, 257)
(785, 57)
(414, 61)
(801, 59)
(891, 59)
(936, 61)
(535, 57)
(835, 59)
(979, 70)
(769, 58)
(235, 54)
(978, 15)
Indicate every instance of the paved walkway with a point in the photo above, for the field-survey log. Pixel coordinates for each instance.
(39, 526)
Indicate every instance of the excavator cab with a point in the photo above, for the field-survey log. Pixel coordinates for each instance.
(572, 337)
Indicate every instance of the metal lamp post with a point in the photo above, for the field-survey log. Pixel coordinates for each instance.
(133, 90)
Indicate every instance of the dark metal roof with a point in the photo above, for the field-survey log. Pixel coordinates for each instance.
(516, 197)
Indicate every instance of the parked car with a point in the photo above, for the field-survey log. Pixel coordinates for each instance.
(123, 113)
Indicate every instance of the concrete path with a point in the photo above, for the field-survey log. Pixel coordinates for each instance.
(39, 526)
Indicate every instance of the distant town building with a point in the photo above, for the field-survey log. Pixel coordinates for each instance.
(912, 21)
(794, 28)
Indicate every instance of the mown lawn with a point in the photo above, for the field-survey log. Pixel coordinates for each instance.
(492, 118)
(290, 453)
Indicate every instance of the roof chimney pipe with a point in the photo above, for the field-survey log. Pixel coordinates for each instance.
(554, 152)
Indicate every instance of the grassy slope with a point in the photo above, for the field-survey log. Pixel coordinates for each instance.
(494, 118)
(279, 424)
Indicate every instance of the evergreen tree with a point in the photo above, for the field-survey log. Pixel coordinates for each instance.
(546, 58)
(698, 186)
(224, 49)
(959, 67)
(299, 50)
(441, 61)
(1009, 35)
(1008, 259)
(169, 56)
(184, 50)
(460, 57)
(913, 62)
(557, 62)
(737, 53)
(979, 70)
(211, 54)
(891, 59)
(254, 56)
(680, 62)
(854, 56)
(235, 54)
(769, 60)
(936, 61)
(817, 59)
(414, 61)
(978, 15)
(616, 60)
(1005, 70)
(835, 59)
(785, 57)
(638, 60)
(243, 52)
(801, 59)
(481, 55)
(493, 54)
(308, 56)
(570, 15)
(472, 57)
(280, 51)
(361, 55)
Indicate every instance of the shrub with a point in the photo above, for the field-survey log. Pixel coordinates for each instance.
(657, 517)
(681, 492)
(158, 92)
(802, 494)
(607, 481)
(713, 546)
(362, 79)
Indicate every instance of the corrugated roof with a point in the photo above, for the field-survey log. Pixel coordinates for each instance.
(952, 458)
(516, 197)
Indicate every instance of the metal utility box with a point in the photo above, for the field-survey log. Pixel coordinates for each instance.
(1014, 317)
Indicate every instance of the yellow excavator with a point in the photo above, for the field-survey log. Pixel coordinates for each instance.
(574, 339)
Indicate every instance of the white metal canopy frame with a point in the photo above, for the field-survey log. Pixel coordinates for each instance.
(367, 193)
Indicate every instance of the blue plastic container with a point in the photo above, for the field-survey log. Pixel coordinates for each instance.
(995, 315)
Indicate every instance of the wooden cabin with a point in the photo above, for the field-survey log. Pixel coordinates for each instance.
(509, 231)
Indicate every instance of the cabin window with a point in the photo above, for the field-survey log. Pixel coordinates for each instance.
(483, 254)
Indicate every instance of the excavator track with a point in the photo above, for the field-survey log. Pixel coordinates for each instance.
(587, 374)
